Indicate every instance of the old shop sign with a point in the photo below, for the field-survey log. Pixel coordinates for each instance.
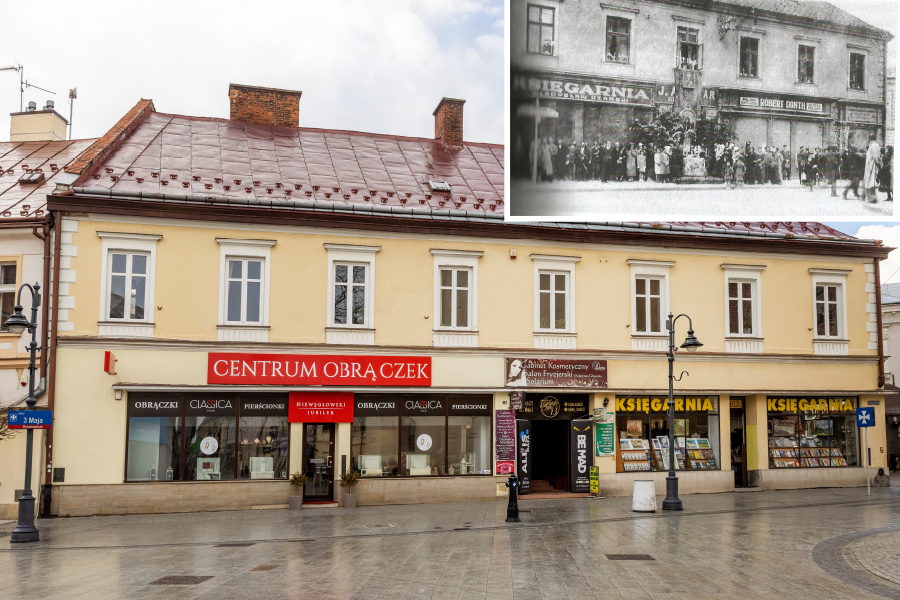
(823, 405)
(603, 91)
(755, 102)
(665, 94)
(294, 369)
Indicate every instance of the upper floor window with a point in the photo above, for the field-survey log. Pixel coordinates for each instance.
(244, 292)
(554, 300)
(806, 60)
(350, 294)
(351, 288)
(540, 29)
(740, 307)
(648, 305)
(7, 292)
(749, 59)
(455, 297)
(618, 39)
(689, 50)
(128, 265)
(828, 310)
(244, 289)
(857, 71)
(127, 285)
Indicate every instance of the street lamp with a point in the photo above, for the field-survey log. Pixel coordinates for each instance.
(25, 530)
(691, 343)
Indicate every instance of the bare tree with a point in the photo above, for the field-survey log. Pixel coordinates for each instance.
(5, 431)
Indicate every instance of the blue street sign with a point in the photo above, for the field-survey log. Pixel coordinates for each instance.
(29, 419)
(865, 416)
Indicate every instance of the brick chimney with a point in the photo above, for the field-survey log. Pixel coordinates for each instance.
(265, 106)
(448, 121)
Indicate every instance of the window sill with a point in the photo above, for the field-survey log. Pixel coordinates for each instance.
(125, 329)
(455, 338)
(243, 333)
(744, 344)
(652, 342)
(554, 340)
(831, 347)
(356, 336)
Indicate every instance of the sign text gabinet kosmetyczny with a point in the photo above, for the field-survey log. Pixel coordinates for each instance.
(296, 369)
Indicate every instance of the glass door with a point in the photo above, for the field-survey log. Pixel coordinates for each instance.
(738, 442)
(318, 461)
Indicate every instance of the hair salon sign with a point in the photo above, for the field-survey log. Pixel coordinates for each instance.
(553, 373)
(299, 369)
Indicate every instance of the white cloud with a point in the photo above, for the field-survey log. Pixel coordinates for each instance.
(362, 65)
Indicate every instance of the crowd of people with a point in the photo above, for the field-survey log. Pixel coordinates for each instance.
(865, 170)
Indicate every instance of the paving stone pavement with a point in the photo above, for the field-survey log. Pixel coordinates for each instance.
(831, 543)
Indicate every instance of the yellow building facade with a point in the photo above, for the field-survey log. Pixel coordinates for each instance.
(216, 340)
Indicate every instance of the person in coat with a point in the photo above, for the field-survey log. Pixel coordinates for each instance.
(641, 161)
(631, 162)
(852, 166)
(870, 175)
(886, 174)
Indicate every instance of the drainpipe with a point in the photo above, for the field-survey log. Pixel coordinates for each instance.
(46, 493)
(878, 316)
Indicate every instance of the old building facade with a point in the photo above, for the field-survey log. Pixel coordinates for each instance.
(795, 74)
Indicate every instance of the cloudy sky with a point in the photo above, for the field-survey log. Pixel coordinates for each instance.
(886, 231)
(361, 65)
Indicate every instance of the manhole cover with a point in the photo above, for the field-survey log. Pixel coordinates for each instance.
(264, 568)
(235, 544)
(629, 557)
(181, 580)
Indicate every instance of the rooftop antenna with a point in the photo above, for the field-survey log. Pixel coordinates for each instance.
(23, 83)
(73, 93)
(21, 71)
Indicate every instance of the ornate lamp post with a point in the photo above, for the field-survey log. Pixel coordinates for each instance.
(25, 530)
(691, 343)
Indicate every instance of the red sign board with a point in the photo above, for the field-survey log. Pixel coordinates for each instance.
(320, 407)
(299, 369)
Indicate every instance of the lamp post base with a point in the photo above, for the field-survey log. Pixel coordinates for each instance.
(25, 530)
(672, 501)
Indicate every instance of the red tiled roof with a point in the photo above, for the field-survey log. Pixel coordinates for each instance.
(118, 132)
(21, 201)
(236, 162)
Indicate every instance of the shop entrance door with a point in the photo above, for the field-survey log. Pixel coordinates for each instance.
(550, 455)
(738, 442)
(318, 461)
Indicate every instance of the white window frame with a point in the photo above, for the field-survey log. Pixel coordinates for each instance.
(759, 51)
(815, 46)
(11, 288)
(696, 26)
(352, 255)
(551, 6)
(652, 269)
(555, 265)
(127, 243)
(864, 51)
(838, 278)
(745, 274)
(240, 249)
(456, 259)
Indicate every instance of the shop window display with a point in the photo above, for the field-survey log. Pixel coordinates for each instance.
(643, 429)
(374, 441)
(205, 437)
(812, 432)
(421, 435)
(263, 448)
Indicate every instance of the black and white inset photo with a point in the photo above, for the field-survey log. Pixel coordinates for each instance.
(668, 109)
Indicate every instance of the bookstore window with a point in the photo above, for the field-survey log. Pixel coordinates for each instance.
(643, 441)
(541, 22)
(749, 59)
(618, 39)
(812, 432)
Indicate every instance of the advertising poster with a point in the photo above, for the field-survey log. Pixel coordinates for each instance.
(555, 373)
(580, 456)
(524, 456)
(505, 428)
(595, 480)
(605, 436)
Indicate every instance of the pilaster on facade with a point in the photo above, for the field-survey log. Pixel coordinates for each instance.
(67, 251)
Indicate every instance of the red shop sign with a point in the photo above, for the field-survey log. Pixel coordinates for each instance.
(320, 407)
(300, 369)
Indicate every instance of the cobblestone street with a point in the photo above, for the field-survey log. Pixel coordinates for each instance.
(831, 543)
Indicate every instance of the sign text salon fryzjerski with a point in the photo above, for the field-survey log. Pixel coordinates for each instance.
(299, 369)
